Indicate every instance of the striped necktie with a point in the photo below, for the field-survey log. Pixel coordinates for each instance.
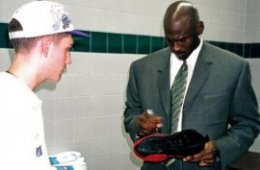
(177, 92)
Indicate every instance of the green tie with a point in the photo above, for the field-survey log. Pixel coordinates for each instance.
(177, 95)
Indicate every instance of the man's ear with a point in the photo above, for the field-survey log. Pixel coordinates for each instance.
(199, 27)
(45, 45)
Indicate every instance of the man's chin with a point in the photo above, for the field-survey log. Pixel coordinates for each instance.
(183, 56)
(56, 79)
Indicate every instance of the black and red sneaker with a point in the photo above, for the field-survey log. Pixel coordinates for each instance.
(161, 147)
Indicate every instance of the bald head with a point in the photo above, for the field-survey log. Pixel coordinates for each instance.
(182, 28)
(183, 11)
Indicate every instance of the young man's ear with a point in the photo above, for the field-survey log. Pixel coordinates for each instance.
(46, 43)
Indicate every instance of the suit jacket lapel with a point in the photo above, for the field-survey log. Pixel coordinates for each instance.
(200, 75)
(164, 81)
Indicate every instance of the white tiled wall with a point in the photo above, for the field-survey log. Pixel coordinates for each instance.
(84, 110)
(255, 69)
(224, 19)
(253, 21)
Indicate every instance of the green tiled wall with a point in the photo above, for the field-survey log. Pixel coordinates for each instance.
(4, 41)
(130, 44)
(115, 43)
(102, 42)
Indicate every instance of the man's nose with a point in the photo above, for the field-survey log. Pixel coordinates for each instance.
(175, 46)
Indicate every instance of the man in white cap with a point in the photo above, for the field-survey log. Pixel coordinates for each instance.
(41, 34)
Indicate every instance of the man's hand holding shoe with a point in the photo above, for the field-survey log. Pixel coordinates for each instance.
(206, 157)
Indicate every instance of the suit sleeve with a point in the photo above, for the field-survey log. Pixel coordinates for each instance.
(133, 104)
(243, 119)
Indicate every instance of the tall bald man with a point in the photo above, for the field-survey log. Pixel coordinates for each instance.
(219, 100)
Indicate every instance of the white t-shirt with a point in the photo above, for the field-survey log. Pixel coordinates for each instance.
(22, 144)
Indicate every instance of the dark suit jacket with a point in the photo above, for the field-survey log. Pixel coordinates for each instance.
(220, 101)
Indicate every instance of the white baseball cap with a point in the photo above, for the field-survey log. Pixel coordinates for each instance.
(40, 18)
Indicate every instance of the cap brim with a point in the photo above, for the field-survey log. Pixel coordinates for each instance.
(78, 33)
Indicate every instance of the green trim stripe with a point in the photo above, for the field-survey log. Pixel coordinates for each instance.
(102, 42)
(4, 39)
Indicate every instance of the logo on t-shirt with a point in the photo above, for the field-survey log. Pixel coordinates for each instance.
(38, 151)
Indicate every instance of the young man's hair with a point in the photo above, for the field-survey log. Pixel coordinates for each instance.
(26, 44)
(21, 44)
